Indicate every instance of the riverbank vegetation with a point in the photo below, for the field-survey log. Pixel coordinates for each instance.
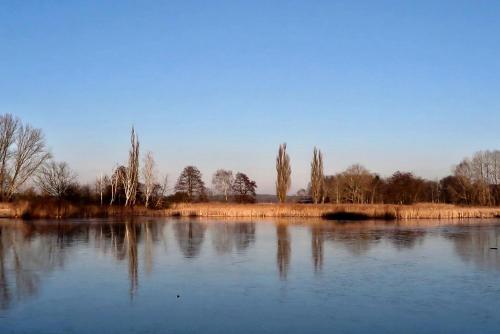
(33, 184)
(332, 211)
(53, 209)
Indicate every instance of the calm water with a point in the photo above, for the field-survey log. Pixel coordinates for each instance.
(173, 276)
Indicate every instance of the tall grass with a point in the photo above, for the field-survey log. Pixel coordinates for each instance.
(49, 209)
(52, 209)
(355, 211)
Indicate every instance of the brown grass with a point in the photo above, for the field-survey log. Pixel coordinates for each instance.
(50, 209)
(340, 211)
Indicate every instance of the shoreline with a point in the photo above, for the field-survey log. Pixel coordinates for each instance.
(48, 210)
(333, 211)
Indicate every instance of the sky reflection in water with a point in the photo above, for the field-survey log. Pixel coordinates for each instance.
(295, 276)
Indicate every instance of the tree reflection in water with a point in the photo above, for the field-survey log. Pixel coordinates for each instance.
(358, 238)
(317, 243)
(244, 235)
(283, 244)
(149, 240)
(122, 240)
(190, 236)
(131, 247)
(474, 245)
(28, 251)
(4, 286)
(227, 236)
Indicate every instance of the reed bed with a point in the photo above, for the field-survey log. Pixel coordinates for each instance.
(333, 211)
(48, 209)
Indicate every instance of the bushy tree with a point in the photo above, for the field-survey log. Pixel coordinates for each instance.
(190, 182)
(317, 177)
(244, 189)
(284, 172)
(404, 188)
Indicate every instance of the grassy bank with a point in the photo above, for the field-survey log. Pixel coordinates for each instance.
(45, 209)
(333, 211)
(55, 210)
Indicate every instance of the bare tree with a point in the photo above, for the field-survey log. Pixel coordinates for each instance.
(222, 182)
(22, 152)
(482, 174)
(317, 177)
(479, 177)
(55, 178)
(132, 172)
(149, 175)
(357, 182)
(464, 175)
(8, 128)
(475, 180)
(117, 177)
(161, 192)
(284, 171)
(100, 186)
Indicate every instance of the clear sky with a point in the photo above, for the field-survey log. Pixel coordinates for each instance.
(394, 85)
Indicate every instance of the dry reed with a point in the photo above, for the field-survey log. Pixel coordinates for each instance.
(356, 211)
(49, 209)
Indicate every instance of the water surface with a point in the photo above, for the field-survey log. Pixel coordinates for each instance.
(283, 276)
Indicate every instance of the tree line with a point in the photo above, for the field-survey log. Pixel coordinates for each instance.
(28, 170)
(474, 181)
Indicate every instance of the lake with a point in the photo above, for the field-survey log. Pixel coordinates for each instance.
(267, 276)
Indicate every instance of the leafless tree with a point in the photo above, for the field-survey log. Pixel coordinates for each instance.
(464, 175)
(284, 172)
(161, 192)
(479, 178)
(357, 183)
(132, 172)
(475, 180)
(22, 153)
(55, 178)
(117, 177)
(333, 188)
(100, 186)
(482, 176)
(317, 177)
(8, 128)
(149, 175)
(222, 182)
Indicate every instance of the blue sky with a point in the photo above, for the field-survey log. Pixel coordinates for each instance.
(394, 85)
